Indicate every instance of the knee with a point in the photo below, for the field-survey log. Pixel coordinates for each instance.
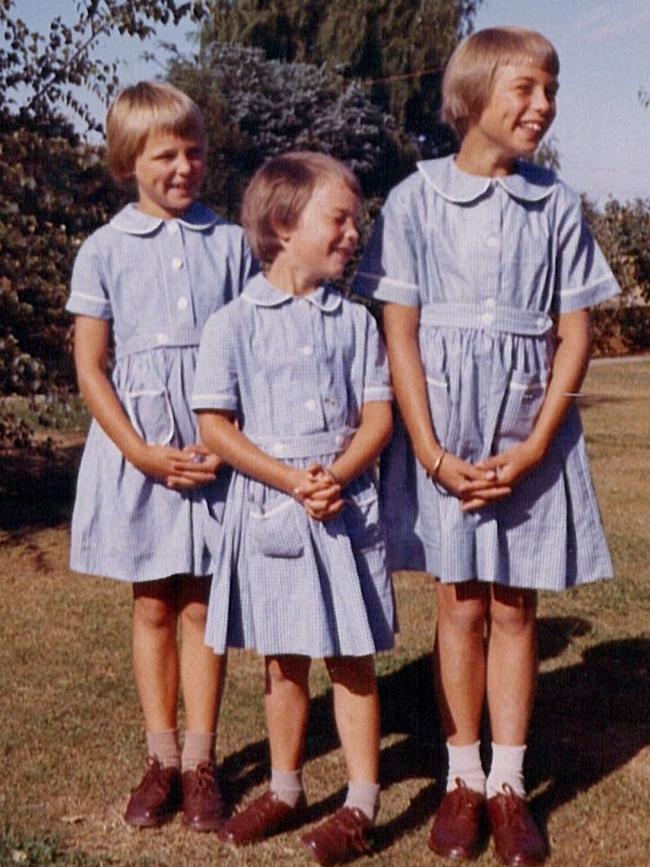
(356, 674)
(463, 615)
(154, 613)
(282, 670)
(514, 613)
(194, 616)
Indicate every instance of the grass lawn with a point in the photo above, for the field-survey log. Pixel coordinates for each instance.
(71, 744)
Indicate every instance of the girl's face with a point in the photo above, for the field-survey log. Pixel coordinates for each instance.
(518, 114)
(326, 234)
(169, 172)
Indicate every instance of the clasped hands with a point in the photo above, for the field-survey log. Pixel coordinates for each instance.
(181, 469)
(319, 492)
(492, 479)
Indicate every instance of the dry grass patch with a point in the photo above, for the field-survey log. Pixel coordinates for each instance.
(71, 743)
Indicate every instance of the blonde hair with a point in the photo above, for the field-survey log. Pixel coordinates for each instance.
(469, 76)
(278, 193)
(149, 106)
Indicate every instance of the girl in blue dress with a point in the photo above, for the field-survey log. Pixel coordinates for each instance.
(293, 391)
(149, 494)
(487, 269)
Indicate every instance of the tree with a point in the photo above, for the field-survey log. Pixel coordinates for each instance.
(53, 189)
(398, 48)
(257, 107)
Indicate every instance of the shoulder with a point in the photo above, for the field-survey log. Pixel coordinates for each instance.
(541, 182)
(357, 311)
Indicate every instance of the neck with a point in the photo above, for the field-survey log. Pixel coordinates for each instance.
(478, 158)
(291, 279)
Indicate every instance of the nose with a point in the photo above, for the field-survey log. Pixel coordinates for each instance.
(543, 102)
(183, 164)
(351, 231)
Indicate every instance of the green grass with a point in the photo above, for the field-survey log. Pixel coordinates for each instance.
(71, 744)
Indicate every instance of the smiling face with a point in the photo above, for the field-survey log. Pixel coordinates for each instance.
(321, 243)
(518, 114)
(169, 172)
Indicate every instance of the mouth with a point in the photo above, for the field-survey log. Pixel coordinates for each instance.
(533, 126)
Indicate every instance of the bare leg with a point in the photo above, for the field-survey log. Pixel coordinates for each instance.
(155, 652)
(202, 671)
(356, 707)
(287, 709)
(512, 664)
(460, 664)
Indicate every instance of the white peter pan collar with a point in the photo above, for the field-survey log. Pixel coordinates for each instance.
(528, 182)
(264, 294)
(133, 221)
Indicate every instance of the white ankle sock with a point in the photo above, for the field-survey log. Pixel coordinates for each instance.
(287, 785)
(465, 762)
(507, 767)
(364, 797)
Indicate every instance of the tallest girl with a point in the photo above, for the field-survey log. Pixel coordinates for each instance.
(488, 269)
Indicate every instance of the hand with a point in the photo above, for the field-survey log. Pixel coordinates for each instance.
(474, 485)
(178, 468)
(198, 468)
(512, 465)
(319, 492)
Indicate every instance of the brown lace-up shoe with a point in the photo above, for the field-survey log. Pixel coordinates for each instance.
(457, 829)
(202, 803)
(155, 800)
(341, 837)
(263, 817)
(517, 839)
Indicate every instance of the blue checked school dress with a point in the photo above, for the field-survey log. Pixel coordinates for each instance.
(158, 281)
(489, 261)
(296, 372)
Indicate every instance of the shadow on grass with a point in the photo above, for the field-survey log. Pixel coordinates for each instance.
(590, 719)
(38, 490)
(572, 744)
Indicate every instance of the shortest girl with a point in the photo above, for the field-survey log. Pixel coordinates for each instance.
(293, 391)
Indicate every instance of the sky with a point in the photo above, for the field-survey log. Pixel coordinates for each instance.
(602, 131)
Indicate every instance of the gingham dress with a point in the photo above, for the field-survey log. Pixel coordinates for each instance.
(488, 261)
(158, 281)
(296, 371)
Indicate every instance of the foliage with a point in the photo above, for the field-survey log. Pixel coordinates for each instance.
(257, 107)
(623, 232)
(53, 190)
(398, 48)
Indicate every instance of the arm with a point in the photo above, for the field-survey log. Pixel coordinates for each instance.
(461, 478)
(176, 467)
(372, 436)
(567, 373)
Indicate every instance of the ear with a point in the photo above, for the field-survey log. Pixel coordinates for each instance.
(282, 231)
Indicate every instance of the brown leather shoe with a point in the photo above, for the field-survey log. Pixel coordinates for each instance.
(263, 817)
(457, 830)
(155, 800)
(339, 838)
(517, 839)
(202, 803)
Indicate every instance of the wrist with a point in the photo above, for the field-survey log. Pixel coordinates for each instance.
(433, 470)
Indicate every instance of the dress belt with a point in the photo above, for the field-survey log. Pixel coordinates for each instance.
(488, 316)
(161, 340)
(308, 446)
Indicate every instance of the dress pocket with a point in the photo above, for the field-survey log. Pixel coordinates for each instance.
(275, 531)
(151, 414)
(438, 391)
(521, 406)
(361, 515)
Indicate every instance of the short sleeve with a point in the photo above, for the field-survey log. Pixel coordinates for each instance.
(583, 276)
(389, 268)
(376, 385)
(216, 379)
(88, 286)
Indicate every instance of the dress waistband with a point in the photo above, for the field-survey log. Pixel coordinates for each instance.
(308, 446)
(488, 316)
(161, 340)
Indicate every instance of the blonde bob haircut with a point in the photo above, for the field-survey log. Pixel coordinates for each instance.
(149, 106)
(278, 192)
(469, 76)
